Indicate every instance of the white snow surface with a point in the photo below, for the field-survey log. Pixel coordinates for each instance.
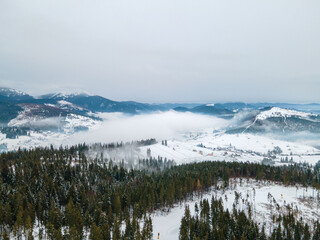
(196, 146)
(9, 92)
(263, 196)
(73, 121)
(211, 144)
(68, 123)
(67, 105)
(282, 112)
(25, 116)
(68, 127)
(205, 145)
(68, 94)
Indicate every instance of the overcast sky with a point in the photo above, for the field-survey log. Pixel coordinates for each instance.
(164, 51)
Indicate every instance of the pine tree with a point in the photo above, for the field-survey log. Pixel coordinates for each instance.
(306, 233)
(117, 205)
(5, 235)
(19, 222)
(116, 230)
(184, 229)
(28, 226)
(73, 233)
(106, 231)
(95, 233)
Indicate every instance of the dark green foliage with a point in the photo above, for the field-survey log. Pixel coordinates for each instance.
(214, 222)
(46, 185)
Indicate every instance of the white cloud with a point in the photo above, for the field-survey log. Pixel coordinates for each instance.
(160, 125)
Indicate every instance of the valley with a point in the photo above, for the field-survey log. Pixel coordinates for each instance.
(88, 131)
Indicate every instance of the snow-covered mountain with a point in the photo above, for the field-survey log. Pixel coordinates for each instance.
(209, 109)
(32, 114)
(95, 103)
(275, 119)
(21, 113)
(276, 112)
(16, 105)
(43, 118)
(20, 110)
(9, 94)
(64, 95)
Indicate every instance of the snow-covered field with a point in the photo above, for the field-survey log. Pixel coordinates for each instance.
(265, 198)
(190, 137)
(219, 146)
(190, 147)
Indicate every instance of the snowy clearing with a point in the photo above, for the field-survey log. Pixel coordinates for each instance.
(264, 197)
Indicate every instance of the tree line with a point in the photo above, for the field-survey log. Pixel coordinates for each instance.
(67, 198)
(212, 222)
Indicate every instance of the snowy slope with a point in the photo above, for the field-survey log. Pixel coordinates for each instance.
(45, 138)
(62, 130)
(37, 115)
(26, 116)
(68, 105)
(10, 92)
(73, 122)
(284, 113)
(34, 115)
(206, 145)
(254, 193)
(65, 95)
(276, 120)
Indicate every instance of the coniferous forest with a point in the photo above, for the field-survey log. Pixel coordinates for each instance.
(211, 221)
(66, 196)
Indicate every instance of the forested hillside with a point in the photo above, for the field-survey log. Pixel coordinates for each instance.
(212, 221)
(61, 191)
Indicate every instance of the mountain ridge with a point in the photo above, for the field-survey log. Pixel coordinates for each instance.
(254, 117)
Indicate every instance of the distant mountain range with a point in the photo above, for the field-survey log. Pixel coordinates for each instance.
(278, 120)
(12, 95)
(19, 109)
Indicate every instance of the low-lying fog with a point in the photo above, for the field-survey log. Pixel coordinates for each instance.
(306, 138)
(118, 127)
